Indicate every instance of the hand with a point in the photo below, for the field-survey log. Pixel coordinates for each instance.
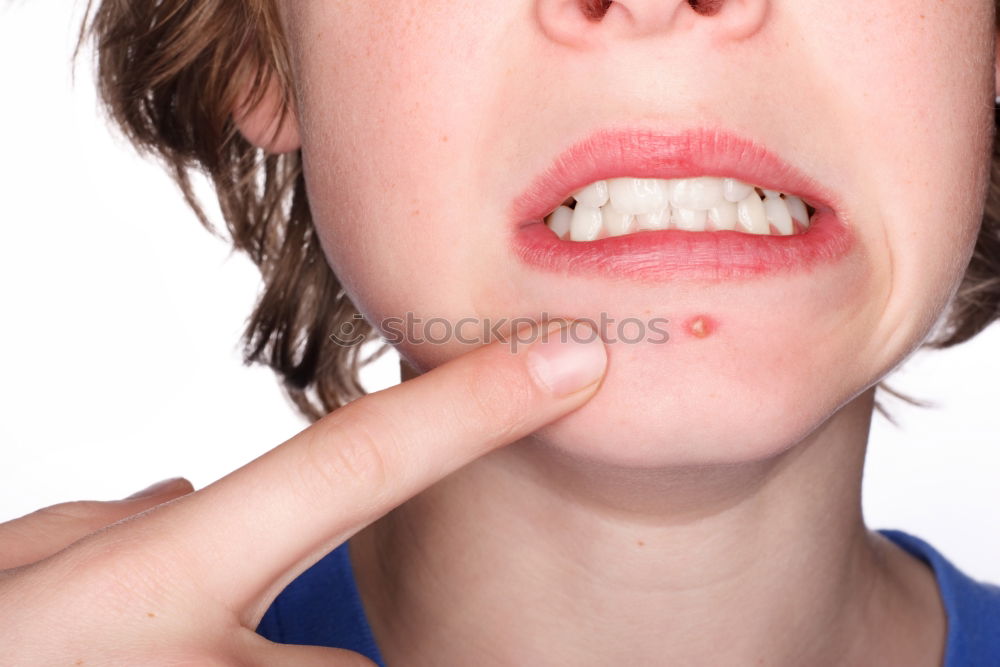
(183, 577)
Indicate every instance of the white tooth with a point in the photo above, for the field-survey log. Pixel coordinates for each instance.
(734, 190)
(751, 215)
(586, 223)
(655, 220)
(777, 214)
(594, 195)
(637, 195)
(771, 193)
(560, 221)
(617, 223)
(699, 194)
(797, 209)
(723, 216)
(689, 219)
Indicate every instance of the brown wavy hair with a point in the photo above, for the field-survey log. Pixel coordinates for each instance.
(170, 74)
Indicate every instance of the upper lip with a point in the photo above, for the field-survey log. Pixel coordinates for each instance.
(647, 153)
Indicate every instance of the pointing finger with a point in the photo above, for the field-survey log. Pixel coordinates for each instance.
(246, 536)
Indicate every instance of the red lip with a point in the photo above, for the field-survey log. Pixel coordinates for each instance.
(674, 254)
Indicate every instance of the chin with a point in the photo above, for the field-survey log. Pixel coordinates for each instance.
(723, 399)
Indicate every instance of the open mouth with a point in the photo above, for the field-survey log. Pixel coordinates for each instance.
(633, 203)
(621, 206)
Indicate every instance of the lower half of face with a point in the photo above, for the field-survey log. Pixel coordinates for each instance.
(439, 139)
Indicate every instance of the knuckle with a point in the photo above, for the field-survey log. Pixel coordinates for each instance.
(121, 563)
(108, 586)
(104, 557)
(355, 449)
(121, 575)
(96, 578)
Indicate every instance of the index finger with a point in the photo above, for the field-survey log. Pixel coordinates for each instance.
(250, 533)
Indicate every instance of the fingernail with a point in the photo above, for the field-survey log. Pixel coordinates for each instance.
(569, 357)
(158, 488)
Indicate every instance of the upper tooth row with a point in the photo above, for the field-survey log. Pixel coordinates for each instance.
(647, 195)
(623, 205)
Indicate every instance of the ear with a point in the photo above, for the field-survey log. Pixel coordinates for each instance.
(259, 124)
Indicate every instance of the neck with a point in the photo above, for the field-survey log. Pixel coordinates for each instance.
(529, 552)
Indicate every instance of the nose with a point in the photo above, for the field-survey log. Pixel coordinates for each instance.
(580, 23)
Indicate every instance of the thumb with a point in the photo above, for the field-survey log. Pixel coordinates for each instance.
(44, 532)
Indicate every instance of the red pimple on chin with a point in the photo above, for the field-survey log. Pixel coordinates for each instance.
(700, 326)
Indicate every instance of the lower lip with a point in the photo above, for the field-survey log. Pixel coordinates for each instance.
(673, 254)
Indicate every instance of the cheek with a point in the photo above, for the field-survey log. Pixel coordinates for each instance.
(919, 106)
(387, 152)
(398, 272)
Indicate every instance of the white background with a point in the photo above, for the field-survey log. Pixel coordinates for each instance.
(121, 317)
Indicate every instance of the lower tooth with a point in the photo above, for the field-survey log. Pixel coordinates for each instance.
(586, 223)
(797, 209)
(617, 223)
(777, 214)
(560, 221)
(751, 215)
(654, 221)
(723, 216)
(689, 219)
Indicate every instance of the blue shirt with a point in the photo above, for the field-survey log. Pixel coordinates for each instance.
(322, 607)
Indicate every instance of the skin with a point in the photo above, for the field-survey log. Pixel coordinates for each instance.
(711, 489)
(138, 581)
(701, 504)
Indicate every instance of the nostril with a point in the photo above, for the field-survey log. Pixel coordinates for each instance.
(595, 10)
(706, 7)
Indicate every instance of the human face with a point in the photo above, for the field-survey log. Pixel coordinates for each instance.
(422, 123)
